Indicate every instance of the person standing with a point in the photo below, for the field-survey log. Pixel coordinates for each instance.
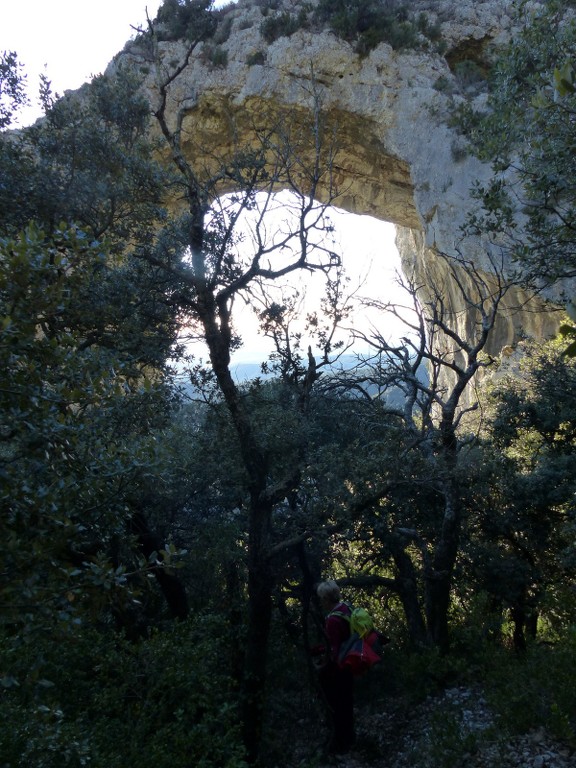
(337, 683)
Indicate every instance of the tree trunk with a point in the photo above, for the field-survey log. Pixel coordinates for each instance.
(235, 613)
(439, 576)
(260, 580)
(172, 588)
(255, 665)
(518, 616)
(407, 590)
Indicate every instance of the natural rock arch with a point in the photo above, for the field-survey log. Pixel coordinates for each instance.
(398, 158)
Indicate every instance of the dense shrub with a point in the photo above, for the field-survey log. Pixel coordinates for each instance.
(283, 24)
(536, 689)
(223, 32)
(267, 5)
(216, 56)
(185, 20)
(258, 57)
(469, 74)
(94, 698)
(367, 23)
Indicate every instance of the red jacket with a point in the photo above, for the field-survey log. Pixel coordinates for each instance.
(337, 628)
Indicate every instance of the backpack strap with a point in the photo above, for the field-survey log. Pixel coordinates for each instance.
(342, 614)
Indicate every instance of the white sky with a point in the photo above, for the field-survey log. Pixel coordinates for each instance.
(370, 260)
(72, 40)
(68, 40)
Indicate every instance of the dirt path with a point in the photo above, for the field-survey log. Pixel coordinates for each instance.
(453, 730)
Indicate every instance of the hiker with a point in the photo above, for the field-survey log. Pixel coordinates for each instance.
(337, 683)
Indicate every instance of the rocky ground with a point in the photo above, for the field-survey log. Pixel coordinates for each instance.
(452, 730)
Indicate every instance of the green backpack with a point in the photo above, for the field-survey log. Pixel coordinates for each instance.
(361, 622)
(359, 619)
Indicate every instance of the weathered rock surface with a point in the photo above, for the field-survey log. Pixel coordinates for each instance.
(398, 160)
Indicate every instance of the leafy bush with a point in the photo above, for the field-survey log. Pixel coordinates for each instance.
(96, 699)
(258, 57)
(431, 31)
(526, 692)
(185, 20)
(397, 33)
(444, 85)
(367, 23)
(283, 25)
(537, 689)
(267, 5)
(469, 73)
(223, 32)
(74, 419)
(216, 56)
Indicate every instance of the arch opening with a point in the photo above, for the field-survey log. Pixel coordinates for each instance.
(368, 268)
(369, 192)
(371, 266)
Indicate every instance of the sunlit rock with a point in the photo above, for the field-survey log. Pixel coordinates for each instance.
(398, 158)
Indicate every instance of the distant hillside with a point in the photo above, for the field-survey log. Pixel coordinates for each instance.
(248, 371)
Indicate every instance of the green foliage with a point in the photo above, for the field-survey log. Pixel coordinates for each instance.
(568, 332)
(527, 134)
(426, 672)
(537, 690)
(224, 29)
(469, 74)
(186, 20)
(432, 32)
(283, 24)
(450, 742)
(74, 432)
(88, 163)
(267, 5)
(444, 85)
(367, 23)
(12, 87)
(258, 57)
(523, 693)
(216, 56)
(96, 699)
(521, 537)
(79, 409)
(86, 323)
(564, 79)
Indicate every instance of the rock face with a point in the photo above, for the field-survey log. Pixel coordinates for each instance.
(399, 160)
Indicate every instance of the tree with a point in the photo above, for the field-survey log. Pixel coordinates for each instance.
(198, 251)
(85, 334)
(75, 431)
(527, 134)
(88, 162)
(433, 412)
(524, 538)
(12, 89)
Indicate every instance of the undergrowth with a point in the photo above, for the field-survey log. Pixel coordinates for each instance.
(524, 692)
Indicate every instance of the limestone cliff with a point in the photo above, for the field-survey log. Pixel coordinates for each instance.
(399, 160)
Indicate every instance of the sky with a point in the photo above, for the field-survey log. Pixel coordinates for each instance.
(72, 40)
(68, 40)
(371, 262)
